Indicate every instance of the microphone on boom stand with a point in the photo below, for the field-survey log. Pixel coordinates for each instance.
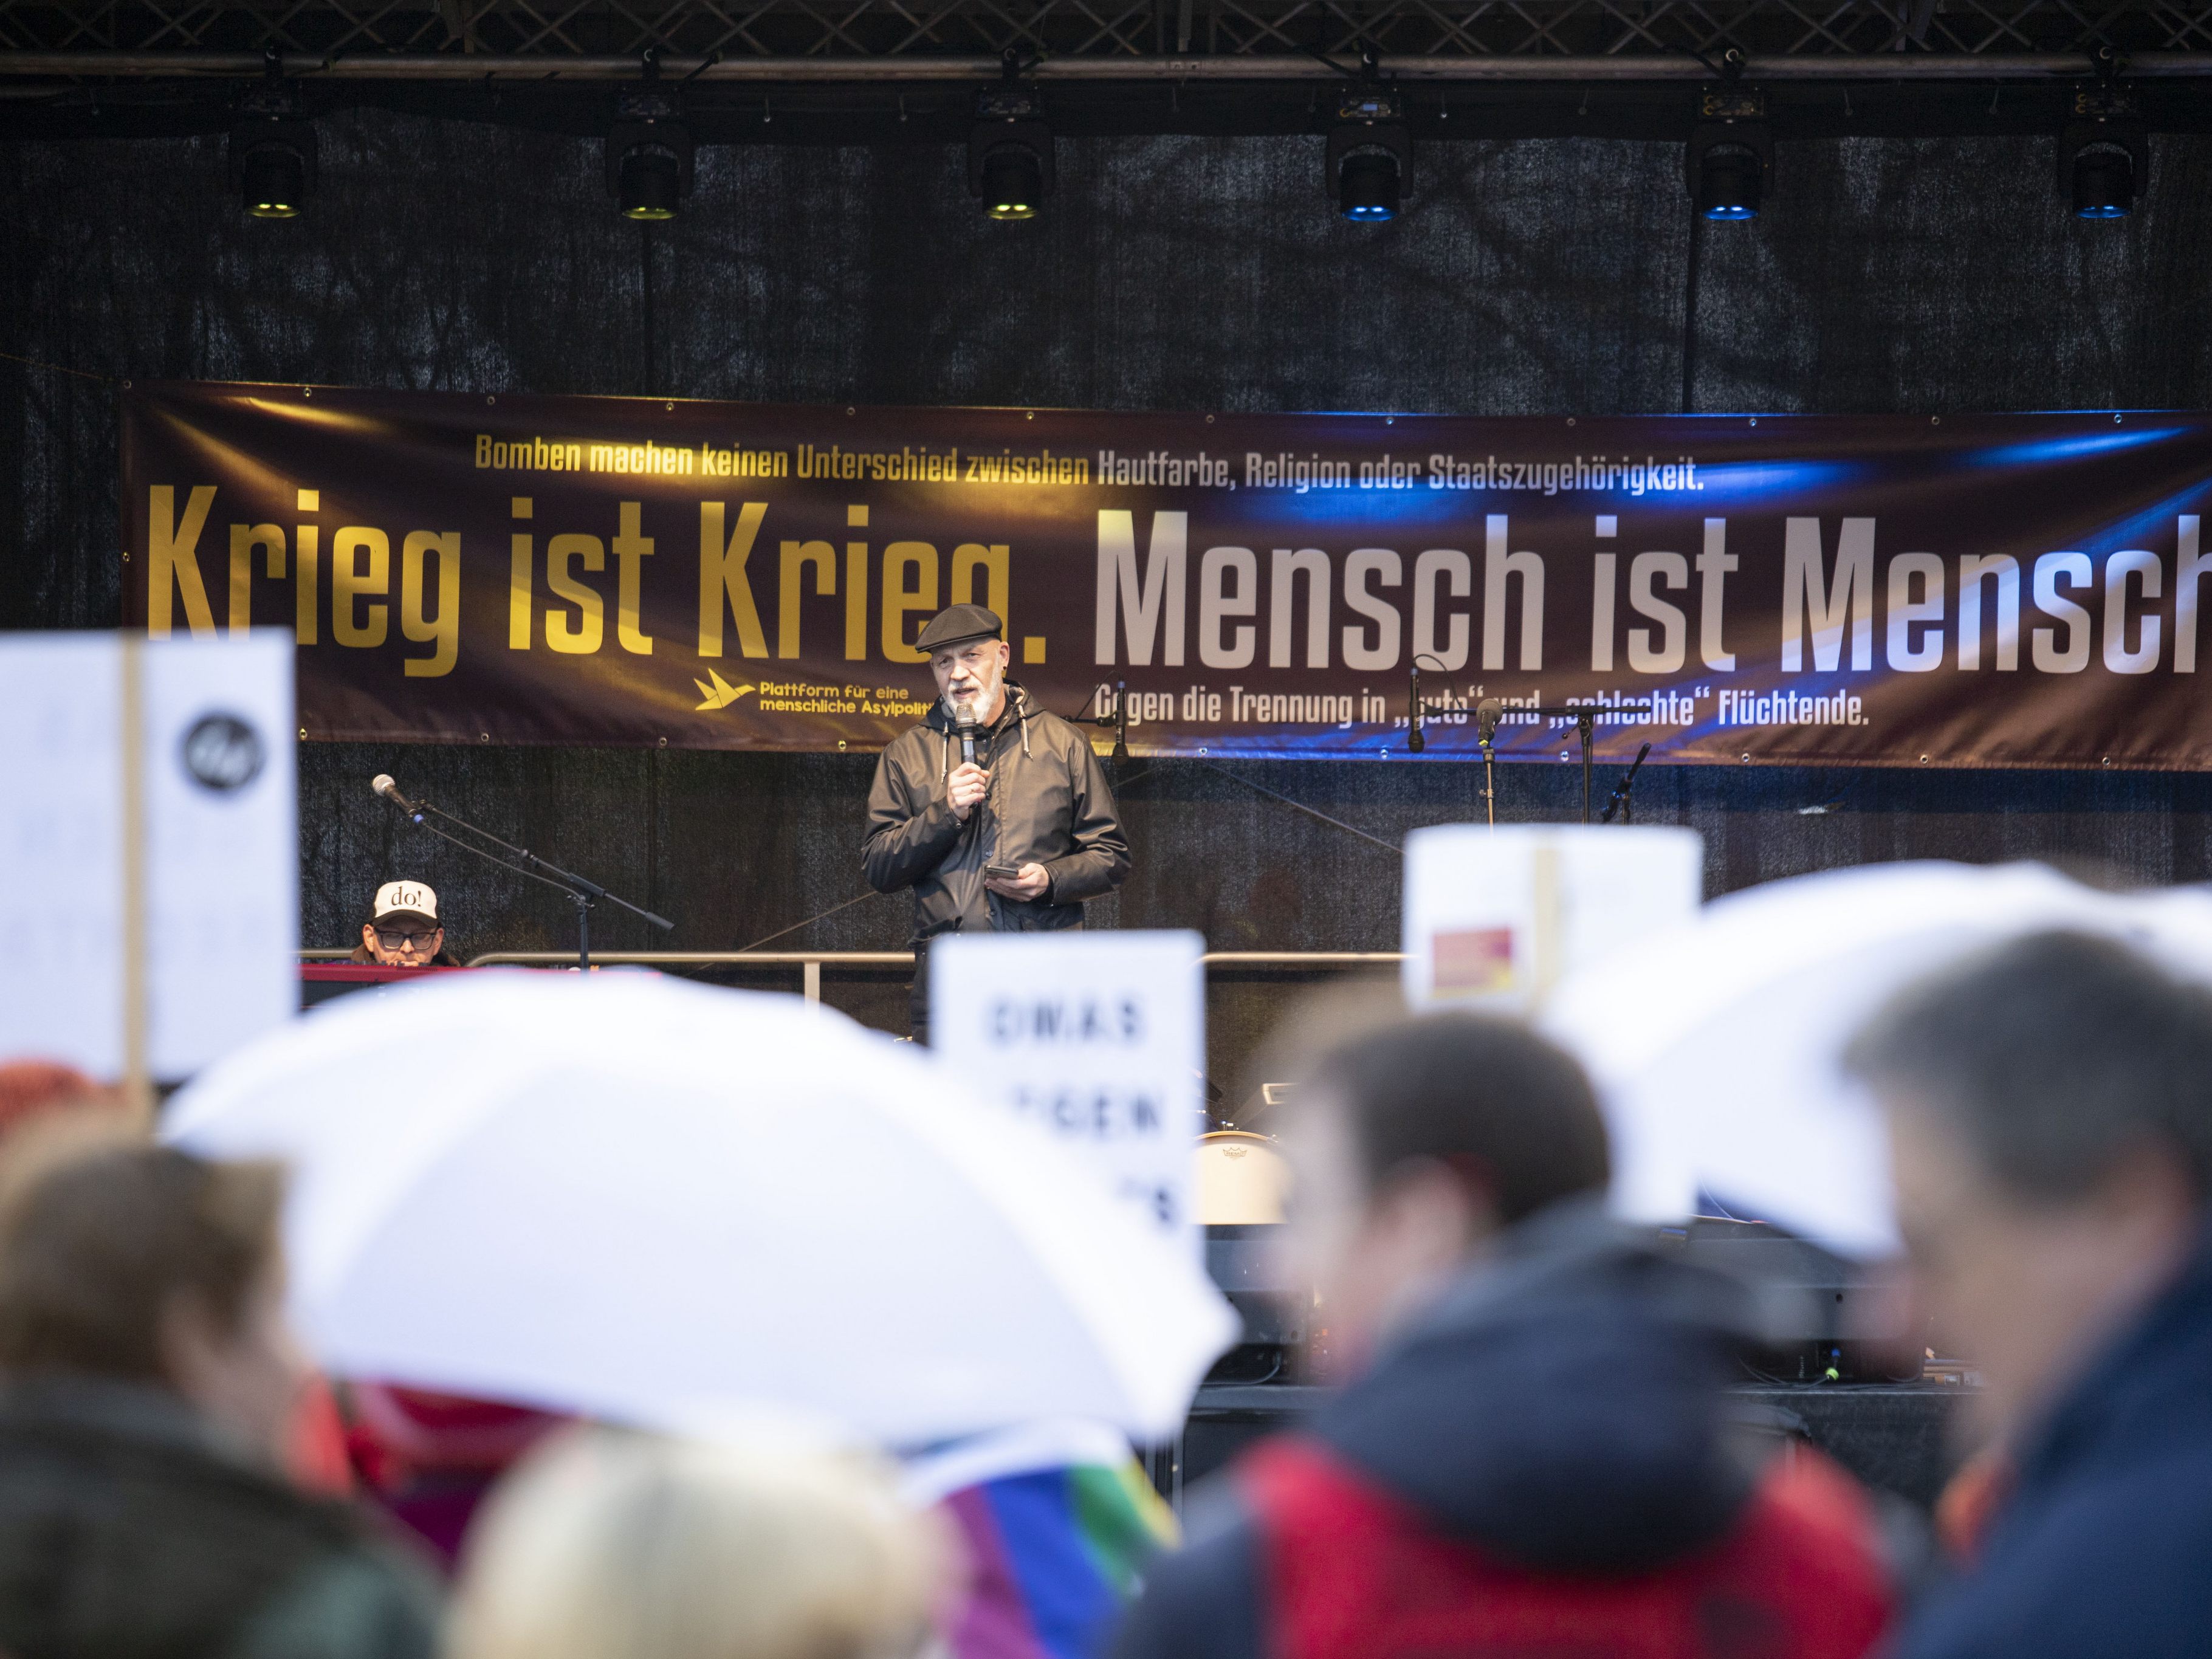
(582, 892)
(1622, 800)
(1120, 721)
(381, 784)
(1487, 713)
(1415, 742)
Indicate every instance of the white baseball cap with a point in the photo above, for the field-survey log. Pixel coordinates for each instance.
(404, 898)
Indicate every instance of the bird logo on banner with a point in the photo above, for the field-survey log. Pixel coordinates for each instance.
(721, 695)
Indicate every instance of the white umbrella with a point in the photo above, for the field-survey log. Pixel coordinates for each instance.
(1716, 1046)
(662, 1203)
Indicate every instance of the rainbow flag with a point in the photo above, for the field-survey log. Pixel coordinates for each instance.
(1057, 1551)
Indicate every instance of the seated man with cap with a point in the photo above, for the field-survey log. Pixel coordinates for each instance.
(994, 811)
(403, 930)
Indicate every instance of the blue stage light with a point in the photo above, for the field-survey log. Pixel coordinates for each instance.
(2103, 182)
(1367, 187)
(1729, 180)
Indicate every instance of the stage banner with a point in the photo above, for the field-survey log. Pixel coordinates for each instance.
(1991, 590)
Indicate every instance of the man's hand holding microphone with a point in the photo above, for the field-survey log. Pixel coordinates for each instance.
(968, 781)
(967, 785)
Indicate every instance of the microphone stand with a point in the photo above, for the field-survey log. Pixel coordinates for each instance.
(582, 892)
(1417, 707)
(1620, 799)
(1584, 716)
(1487, 736)
(1117, 717)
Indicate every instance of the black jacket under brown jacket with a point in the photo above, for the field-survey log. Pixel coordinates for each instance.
(1049, 803)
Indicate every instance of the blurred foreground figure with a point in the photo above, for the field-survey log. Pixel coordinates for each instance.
(2050, 1108)
(428, 1460)
(608, 1545)
(150, 1385)
(1533, 1457)
(33, 1090)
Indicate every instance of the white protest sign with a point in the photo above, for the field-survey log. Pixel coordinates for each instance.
(61, 850)
(217, 843)
(1100, 1037)
(1493, 918)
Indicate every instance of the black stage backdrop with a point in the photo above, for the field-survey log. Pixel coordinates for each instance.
(1539, 278)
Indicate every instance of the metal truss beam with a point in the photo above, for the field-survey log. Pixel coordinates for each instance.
(537, 68)
(790, 41)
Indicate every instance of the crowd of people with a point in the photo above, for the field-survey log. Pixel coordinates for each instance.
(1529, 1449)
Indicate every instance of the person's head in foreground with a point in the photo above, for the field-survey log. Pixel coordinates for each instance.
(608, 1545)
(142, 1265)
(1533, 1453)
(149, 1385)
(403, 929)
(2049, 1109)
(33, 1090)
(1413, 1146)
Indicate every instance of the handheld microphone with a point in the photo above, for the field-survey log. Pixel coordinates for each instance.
(967, 730)
(1487, 713)
(1416, 742)
(381, 784)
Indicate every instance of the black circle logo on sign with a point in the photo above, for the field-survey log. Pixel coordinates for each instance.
(222, 753)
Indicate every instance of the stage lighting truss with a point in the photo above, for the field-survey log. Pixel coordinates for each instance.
(347, 37)
(339, 33)
(271, 154)
(1010, 153)
(1369, 170)
(2104, 154)
(649, 157)
(1730, 159)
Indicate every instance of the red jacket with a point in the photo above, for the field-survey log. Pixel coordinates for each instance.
(1350, 1572)
(1546, 1463)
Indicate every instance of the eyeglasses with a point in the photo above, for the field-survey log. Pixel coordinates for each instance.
(391, 939)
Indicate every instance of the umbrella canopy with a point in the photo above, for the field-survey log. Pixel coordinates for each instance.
(662, 1203)
(1716, 1046)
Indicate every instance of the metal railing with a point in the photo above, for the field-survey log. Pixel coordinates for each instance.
(812, 962)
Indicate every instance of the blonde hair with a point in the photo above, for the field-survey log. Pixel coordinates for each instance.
(610, 1545)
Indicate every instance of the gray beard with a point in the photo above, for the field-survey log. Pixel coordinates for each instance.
(952, 709)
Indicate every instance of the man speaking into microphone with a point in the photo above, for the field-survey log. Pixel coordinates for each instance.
(994, 811)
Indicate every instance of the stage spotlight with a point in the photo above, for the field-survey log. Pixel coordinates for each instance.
(1014, 182)
(649, 157)
(2103, 183)
(652, 183)
(2103, 161)
(272, 166)
(1367, 188)
(1369, 166)
(1731, 154)
(1010, 154)
(1728, 184)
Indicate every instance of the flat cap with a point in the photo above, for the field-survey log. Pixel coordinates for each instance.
(957, 625)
